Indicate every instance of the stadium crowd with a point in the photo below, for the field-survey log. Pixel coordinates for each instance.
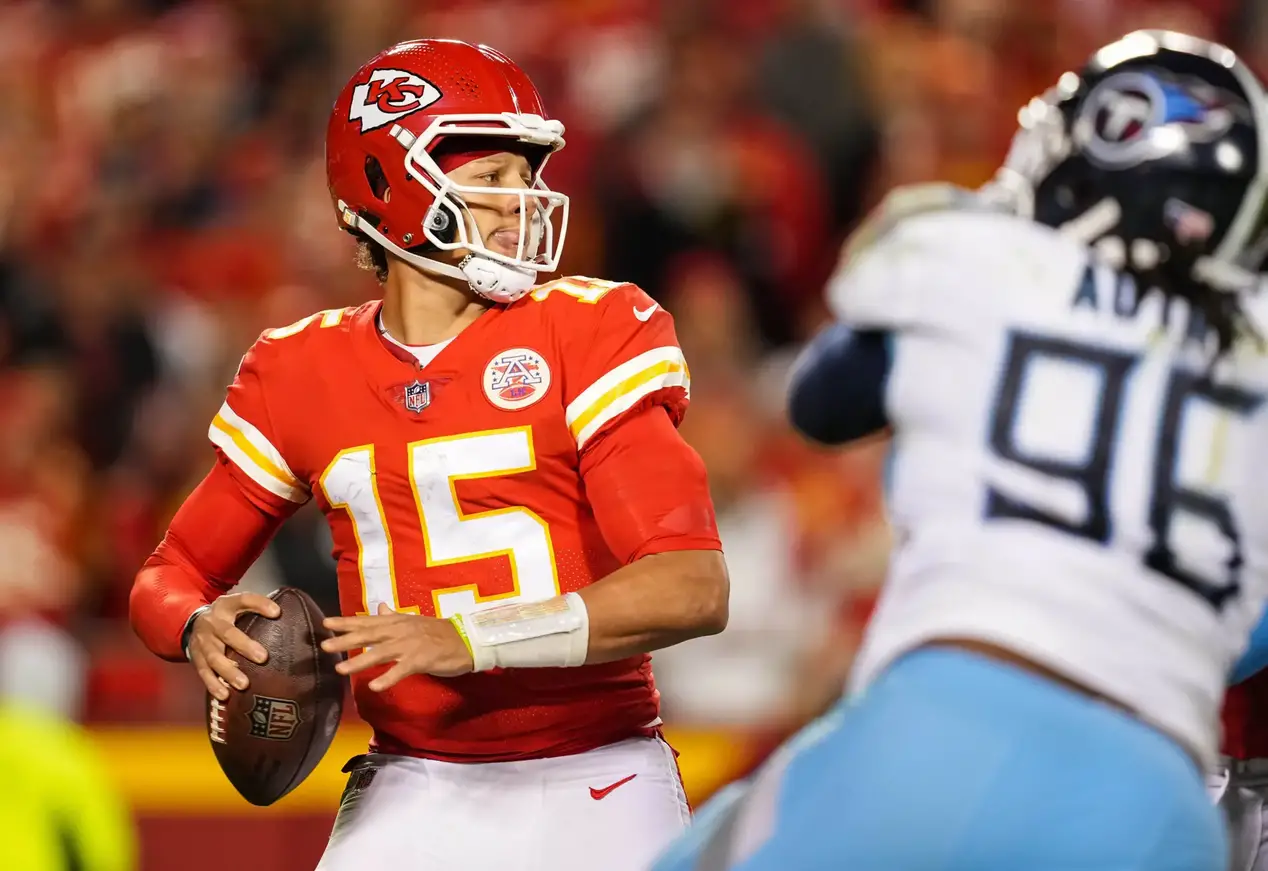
(162, 201)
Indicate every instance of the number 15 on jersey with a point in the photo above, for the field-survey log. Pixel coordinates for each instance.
(449, 534)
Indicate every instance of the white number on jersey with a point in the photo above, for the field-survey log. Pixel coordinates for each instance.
(350, 482)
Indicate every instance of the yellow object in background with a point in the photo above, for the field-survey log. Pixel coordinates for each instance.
(59, 807)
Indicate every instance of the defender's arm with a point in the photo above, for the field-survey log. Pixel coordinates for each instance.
(838, 385)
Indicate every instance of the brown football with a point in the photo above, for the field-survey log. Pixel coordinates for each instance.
(269, 737)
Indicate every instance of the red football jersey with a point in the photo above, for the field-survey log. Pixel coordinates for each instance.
(1245, 718)
(459, 483)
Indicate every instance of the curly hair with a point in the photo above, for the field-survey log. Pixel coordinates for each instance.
(372, 257)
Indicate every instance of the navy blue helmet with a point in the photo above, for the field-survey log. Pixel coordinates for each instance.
(1156, 154)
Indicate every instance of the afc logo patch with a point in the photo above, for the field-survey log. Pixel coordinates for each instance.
(274, 719)
(417, 396)
(516, 379)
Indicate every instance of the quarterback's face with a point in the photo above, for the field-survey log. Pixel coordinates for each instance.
(496, 215)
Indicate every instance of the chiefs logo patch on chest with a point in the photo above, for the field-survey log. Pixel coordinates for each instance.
(516, 378)
(389, 96)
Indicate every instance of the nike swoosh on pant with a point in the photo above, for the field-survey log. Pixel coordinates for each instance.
(597, 794)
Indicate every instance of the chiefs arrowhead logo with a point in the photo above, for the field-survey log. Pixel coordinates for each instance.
(389, 95)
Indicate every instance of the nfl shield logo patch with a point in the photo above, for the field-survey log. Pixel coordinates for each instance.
(274, 719)
(417, 396)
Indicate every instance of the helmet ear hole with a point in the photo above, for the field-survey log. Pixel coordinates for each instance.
(377, 179)
(441, 224)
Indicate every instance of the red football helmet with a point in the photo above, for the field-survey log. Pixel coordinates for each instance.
(386, 184)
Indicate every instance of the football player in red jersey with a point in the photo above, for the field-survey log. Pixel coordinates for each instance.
(515, 518)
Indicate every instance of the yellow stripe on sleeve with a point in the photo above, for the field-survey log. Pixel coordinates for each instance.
(623, 388)
(252, 452)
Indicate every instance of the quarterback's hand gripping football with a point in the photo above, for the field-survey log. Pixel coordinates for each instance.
(213, 632)
(415, 644)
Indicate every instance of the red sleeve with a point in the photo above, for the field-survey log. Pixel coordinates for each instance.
(214, 538)
(648, 490)
(622, 357)
(246, 433)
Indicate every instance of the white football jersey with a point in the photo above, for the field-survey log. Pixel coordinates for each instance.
(1066, 481)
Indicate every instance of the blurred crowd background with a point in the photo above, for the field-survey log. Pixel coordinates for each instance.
(162, 201)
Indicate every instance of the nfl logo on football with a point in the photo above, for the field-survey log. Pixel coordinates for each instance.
(274, 719)
(417, 396)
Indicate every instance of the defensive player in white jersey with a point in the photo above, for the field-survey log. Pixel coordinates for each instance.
(1070, 366)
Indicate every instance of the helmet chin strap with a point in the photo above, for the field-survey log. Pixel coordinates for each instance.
(492, 280)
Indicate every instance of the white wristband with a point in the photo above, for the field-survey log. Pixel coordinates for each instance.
(554, 633)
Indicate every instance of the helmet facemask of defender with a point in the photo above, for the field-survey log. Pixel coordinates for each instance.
(1158, 148)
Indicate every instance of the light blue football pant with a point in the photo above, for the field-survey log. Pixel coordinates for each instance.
(954, 762)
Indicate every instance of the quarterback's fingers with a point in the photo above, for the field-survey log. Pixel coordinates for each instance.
(224, 666)
(348, 624)
(391, 677)
(214, 685)
(242, 643)
(355, 638)
(257, 603)
(379, 655)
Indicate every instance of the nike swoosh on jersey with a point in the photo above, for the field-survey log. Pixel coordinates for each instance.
(645, 314)
(597, 794)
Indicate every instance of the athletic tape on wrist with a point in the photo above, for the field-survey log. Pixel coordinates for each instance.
(461, 626)
(551, 633)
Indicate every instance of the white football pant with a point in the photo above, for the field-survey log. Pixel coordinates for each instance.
(1242, 798)
(611, 809)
